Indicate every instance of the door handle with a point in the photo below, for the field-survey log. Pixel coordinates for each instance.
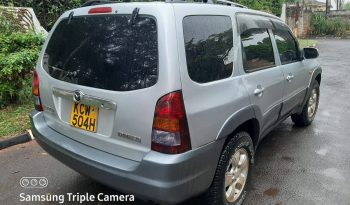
(290, 77)
(259, 91)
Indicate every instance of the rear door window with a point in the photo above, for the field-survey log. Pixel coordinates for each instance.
(287, 46)
(256, 43)
(257, 50)
(209, 47)
(104, 51)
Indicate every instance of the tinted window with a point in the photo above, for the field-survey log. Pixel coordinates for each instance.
(247, 22)
(278, 25)
(287, 46)
(104, 51)
(257, 49)
(209, 47)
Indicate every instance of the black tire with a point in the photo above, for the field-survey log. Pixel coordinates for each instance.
(217, 192)
(303, 119)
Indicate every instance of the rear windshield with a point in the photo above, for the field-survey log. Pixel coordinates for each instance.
(104, 51)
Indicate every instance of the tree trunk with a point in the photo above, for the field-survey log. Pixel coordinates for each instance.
(337, 5)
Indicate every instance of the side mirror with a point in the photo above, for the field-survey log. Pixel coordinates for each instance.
(310, 53)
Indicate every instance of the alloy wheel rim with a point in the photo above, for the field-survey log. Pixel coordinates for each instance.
(236, 175)
(312, 105)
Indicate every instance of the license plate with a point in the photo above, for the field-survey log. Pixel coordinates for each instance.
(84, 117)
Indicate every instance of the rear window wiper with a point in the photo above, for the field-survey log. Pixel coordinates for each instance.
(70, 17)
(134, 15)
(70, 74)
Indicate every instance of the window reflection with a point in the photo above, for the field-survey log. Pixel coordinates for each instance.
(257, 49)
(104, 52)
(209, 47)
(287, 46)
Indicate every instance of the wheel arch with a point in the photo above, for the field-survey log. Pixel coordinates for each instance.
(252, 127)
(316, 76)
(242, 120)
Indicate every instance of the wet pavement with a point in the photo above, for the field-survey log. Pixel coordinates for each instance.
(293, 165)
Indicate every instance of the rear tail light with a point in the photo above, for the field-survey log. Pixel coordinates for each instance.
(170, 134)
(100, 10)
(36, 93)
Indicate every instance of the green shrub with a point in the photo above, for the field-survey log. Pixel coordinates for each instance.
(47, 11)
(346, 6)
(18, 55)
(321, 25)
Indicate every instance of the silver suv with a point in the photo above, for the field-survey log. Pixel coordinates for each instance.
(169, 100)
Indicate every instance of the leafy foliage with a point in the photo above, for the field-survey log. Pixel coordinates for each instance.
(321, 25)
(18, 53)
(47, 11)
(270, 6)
(346, 6)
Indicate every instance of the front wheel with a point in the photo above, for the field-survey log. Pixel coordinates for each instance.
(230, 183)
(308, 114)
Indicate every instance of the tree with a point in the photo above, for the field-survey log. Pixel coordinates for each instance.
(271, 6)
(340, 4)
(47, 11)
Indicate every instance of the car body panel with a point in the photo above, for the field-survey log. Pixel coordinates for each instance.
(295, 89)
(119, 154)
(164, 178)
(129, 117)
(201, 99)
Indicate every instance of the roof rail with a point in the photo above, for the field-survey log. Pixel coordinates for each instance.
(184, 1)
(224, 2)
(97, 2)
(230, 3)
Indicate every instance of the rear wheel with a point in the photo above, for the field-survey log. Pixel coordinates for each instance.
(308, 114)
(231, 180)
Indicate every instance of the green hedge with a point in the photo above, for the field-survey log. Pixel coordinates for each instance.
(19, 52)
(321, 25)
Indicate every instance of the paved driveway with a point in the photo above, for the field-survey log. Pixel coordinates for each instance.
(293, 165)
(311, 165)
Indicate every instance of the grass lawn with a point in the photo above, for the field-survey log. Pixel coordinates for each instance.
(307, 42)
(14, 119)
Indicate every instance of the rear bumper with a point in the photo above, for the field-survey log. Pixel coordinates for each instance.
(159, 177)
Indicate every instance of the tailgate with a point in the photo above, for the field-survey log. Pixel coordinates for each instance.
(101, 76)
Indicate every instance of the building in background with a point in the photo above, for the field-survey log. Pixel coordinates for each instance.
(314, 5)
(25, 18)
(297, 15)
